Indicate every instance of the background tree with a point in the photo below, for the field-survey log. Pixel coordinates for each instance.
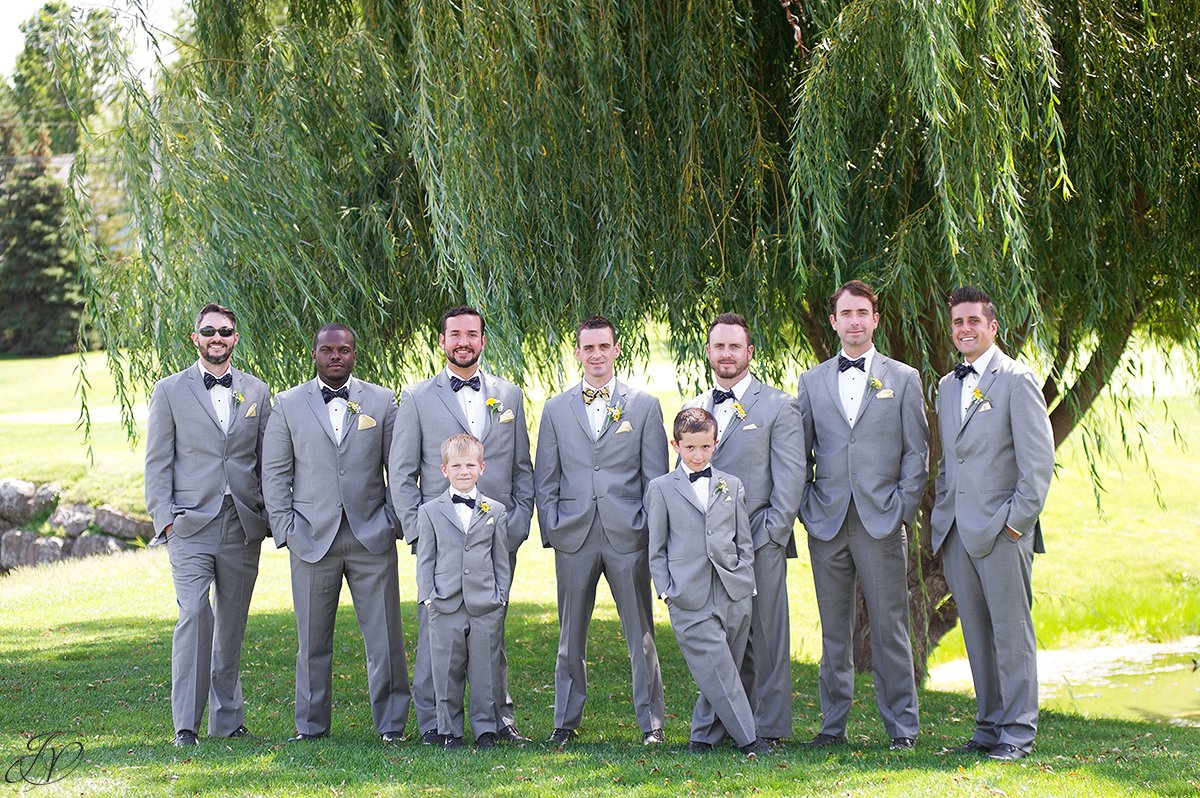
(39, 288)
(663, 161)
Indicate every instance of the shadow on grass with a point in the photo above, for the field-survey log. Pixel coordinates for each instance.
(107, 685)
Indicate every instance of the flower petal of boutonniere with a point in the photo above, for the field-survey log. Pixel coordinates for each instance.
(721, 486)
(739, 410)
(978, 397)
(874, 382)
(484, 508)
(238, 397)
(614, 413)
(353, 407)
(495, 406)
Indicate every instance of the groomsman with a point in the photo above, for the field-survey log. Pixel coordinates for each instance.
(759, 436)
(599, 445)
(203, 446)
(324, 459)
(867, 444)
(461, 399)
(997, 460)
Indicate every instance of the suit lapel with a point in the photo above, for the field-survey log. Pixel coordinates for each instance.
(317, 405)
(879, 370)
(747, 401)
(835, 395)
(684, 486)
(579, 409)
(450, 400)
(491, 391)
(616, 400)
(235, 409)
(350, 425)
(985, 383)
(446, 506)
(196, 383)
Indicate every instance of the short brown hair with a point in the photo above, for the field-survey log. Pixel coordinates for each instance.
(462, 310)
(855, 288)
(733, 319)
(595, 323)
(693, 419)
(462, 445)
(213, 307)
(969, 293)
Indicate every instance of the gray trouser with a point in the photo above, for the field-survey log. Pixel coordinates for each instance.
(464, 647)
(206, 648)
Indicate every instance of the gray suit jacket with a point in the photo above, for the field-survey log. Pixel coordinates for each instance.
(882, 461)
(309, 481)
(763, 450)
(456, 568)
(997, 463)
(429, 414)
(576, 478)
(688, 543)
(190, 459)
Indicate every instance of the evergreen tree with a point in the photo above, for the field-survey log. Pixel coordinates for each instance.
(39, 286)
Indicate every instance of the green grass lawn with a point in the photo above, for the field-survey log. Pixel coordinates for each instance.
(85, 652)
(84, 649)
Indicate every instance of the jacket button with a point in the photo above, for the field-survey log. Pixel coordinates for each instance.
(342, 472)
(466, 570)
(960, 461)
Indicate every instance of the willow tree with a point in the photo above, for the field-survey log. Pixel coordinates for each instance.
(662, 161)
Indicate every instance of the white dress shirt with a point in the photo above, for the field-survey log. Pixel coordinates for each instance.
(597, 411)
(337, 408)
(220, 396)
(852, 385)
(464, 511)
(724, 412)
(473, 403)
(699, 486)
(971, 381)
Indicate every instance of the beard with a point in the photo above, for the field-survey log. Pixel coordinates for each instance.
(464, 361)
(217, 360)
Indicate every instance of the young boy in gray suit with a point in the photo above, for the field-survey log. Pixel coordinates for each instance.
(702, 562)
(463, 579)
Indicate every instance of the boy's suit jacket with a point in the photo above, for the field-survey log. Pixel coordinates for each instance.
(688, 543)
(763, 449)
(997, 462)
(882, 461)
(575, 477)
(429, 414)
(455, 567)
(190, 458)
(309, 481)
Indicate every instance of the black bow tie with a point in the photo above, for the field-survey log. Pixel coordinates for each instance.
(224, 382)
(329, 394)
(467, 500)
(457, 383)
(845, 363)
(961, 370)
(720, 396)
(695, 475)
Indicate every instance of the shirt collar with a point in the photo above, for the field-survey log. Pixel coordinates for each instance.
(868, 358)
(203, 371)
(321, 384)
(740, 387)
(982, 362)
(611, 385)
(472, 494)
(478, 371)
(689, 471)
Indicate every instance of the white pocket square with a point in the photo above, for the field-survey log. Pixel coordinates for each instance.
(750, 426)
(886, 393)
(625, 427)
(506, 417)
(728, 498)
(490, 521)
(986, 406)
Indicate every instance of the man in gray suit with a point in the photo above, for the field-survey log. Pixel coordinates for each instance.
(599, 445)
(324, 459)
(203, 447)
(759, 437)
(867, 445)
(997, 460)
(461, 399)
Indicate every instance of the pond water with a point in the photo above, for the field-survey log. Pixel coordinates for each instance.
(1142, 681)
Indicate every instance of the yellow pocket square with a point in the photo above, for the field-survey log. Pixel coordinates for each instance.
(886, 393)
(252, 410)
(506, 417)
(625, 427)
(750, 426)
(365, 422)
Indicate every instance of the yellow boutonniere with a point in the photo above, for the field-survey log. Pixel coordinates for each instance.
(874, 382)
(738, 410)
(238, 397)
(484, 508)
(353, 407)
(494, 405)
(721, 487)
(978, 396)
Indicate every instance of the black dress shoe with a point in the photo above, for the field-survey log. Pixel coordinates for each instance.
(562, 736)
(431, 737)
(392, 736)
(1004, 752)
(511, 734)
(822, 740)
(756, 749)
(902, 744)
(970, 747)
(654, 737)
(185, 737)
(486, 740)
(302, 737)
(240, 731)
(772, 741)
(453, 742)
(699, 747)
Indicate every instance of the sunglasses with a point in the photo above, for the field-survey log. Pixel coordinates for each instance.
(224, 332)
